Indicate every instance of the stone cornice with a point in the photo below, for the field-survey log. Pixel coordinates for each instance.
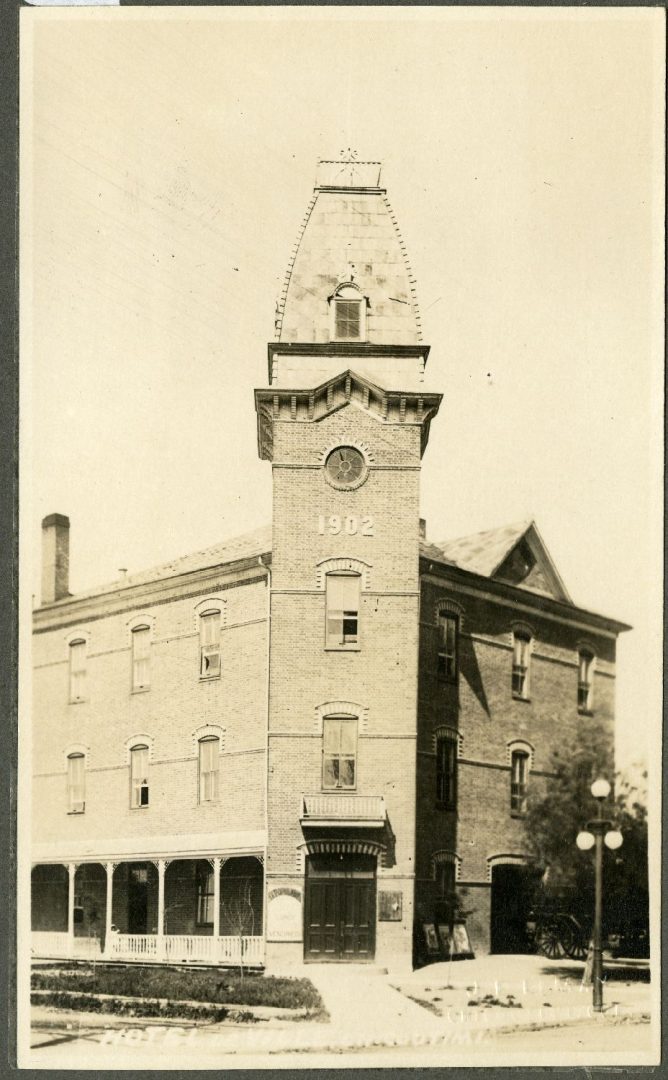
(401, 407)
(191, 583)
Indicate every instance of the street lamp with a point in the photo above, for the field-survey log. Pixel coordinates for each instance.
(597, 833)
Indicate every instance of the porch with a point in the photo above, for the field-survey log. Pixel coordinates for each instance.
(202, 911)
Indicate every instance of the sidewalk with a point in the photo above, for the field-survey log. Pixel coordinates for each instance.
(370, 1009)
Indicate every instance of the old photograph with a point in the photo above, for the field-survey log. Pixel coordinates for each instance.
(341, 443)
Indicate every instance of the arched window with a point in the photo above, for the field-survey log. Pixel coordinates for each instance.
(448, 646)
(209, 644)
(209, 757)
(343, 602)
(585, 681)
(339, 752)
(77, 670)
(348, 313)
(141, 658)
(519, 782)
(446, 769)
(521, 659)
(139, 776)
(76, 783)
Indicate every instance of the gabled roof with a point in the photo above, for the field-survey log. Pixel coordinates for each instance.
(514, 553)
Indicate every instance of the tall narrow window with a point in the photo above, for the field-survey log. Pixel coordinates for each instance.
(139, 776)
(343, 600)
(339, 743)
(141, 658)
(585, 681)
(448, 641)
(209, 645)
(204, 896)
(519, 776)
(76, 781)
(446, 771)
(521, 656)
(78, 670)
(445, 878)
(209, 756)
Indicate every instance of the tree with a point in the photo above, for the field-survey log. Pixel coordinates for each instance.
(563, 808)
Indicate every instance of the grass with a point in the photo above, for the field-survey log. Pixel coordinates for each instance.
(212, 987)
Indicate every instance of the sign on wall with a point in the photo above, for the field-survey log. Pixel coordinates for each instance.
(284, 915)
(389, 906)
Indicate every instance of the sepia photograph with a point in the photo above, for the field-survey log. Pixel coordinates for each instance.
(341, 537)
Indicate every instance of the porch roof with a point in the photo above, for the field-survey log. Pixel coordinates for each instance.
(121, 849)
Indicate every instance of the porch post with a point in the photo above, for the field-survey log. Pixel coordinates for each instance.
(161, 909)
(71, 870)
(109, 867)
(216, 864)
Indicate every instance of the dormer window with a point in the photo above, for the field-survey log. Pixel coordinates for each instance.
(348, 313)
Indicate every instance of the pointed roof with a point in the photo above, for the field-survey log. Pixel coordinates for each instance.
(514, 553)
(349, 234)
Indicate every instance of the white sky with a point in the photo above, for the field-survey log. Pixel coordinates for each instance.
(168, 166)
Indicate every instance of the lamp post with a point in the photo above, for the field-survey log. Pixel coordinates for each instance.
(596, 833)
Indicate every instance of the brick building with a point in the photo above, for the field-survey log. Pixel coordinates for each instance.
(301, 743)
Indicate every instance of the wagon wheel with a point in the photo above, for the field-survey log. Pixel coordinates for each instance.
(573, 939)
(548, 941)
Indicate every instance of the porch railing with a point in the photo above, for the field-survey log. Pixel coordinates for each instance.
(181, 948)
(172, 948)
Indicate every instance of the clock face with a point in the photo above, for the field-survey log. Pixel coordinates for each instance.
(345, 467)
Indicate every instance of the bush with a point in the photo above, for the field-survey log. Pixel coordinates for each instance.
(215, 987)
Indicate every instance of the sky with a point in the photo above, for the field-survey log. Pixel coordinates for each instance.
(168, 157)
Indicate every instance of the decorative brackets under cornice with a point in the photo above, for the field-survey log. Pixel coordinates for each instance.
(347, 388)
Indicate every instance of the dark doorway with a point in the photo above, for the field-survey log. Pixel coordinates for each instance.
(512, 900)
(340, 909)
(138, 899)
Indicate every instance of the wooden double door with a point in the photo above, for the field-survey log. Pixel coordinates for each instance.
(340, 908)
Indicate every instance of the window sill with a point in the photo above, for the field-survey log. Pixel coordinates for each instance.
(448, 680)
(585, 712)
(75, 813)
(78, 700)
(518, 813)
(339, 790)
(140, 689)
(521, 697)
(343, 648)
(146, 807)
(209, 678)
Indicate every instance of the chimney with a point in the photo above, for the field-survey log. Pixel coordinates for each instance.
(423, 529)
(55, 558)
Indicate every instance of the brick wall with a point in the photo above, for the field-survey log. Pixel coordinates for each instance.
(177, 704)
(487, 716)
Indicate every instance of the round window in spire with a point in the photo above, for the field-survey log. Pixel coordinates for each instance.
(346, 468)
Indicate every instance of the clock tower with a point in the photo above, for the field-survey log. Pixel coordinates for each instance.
(344, 422)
